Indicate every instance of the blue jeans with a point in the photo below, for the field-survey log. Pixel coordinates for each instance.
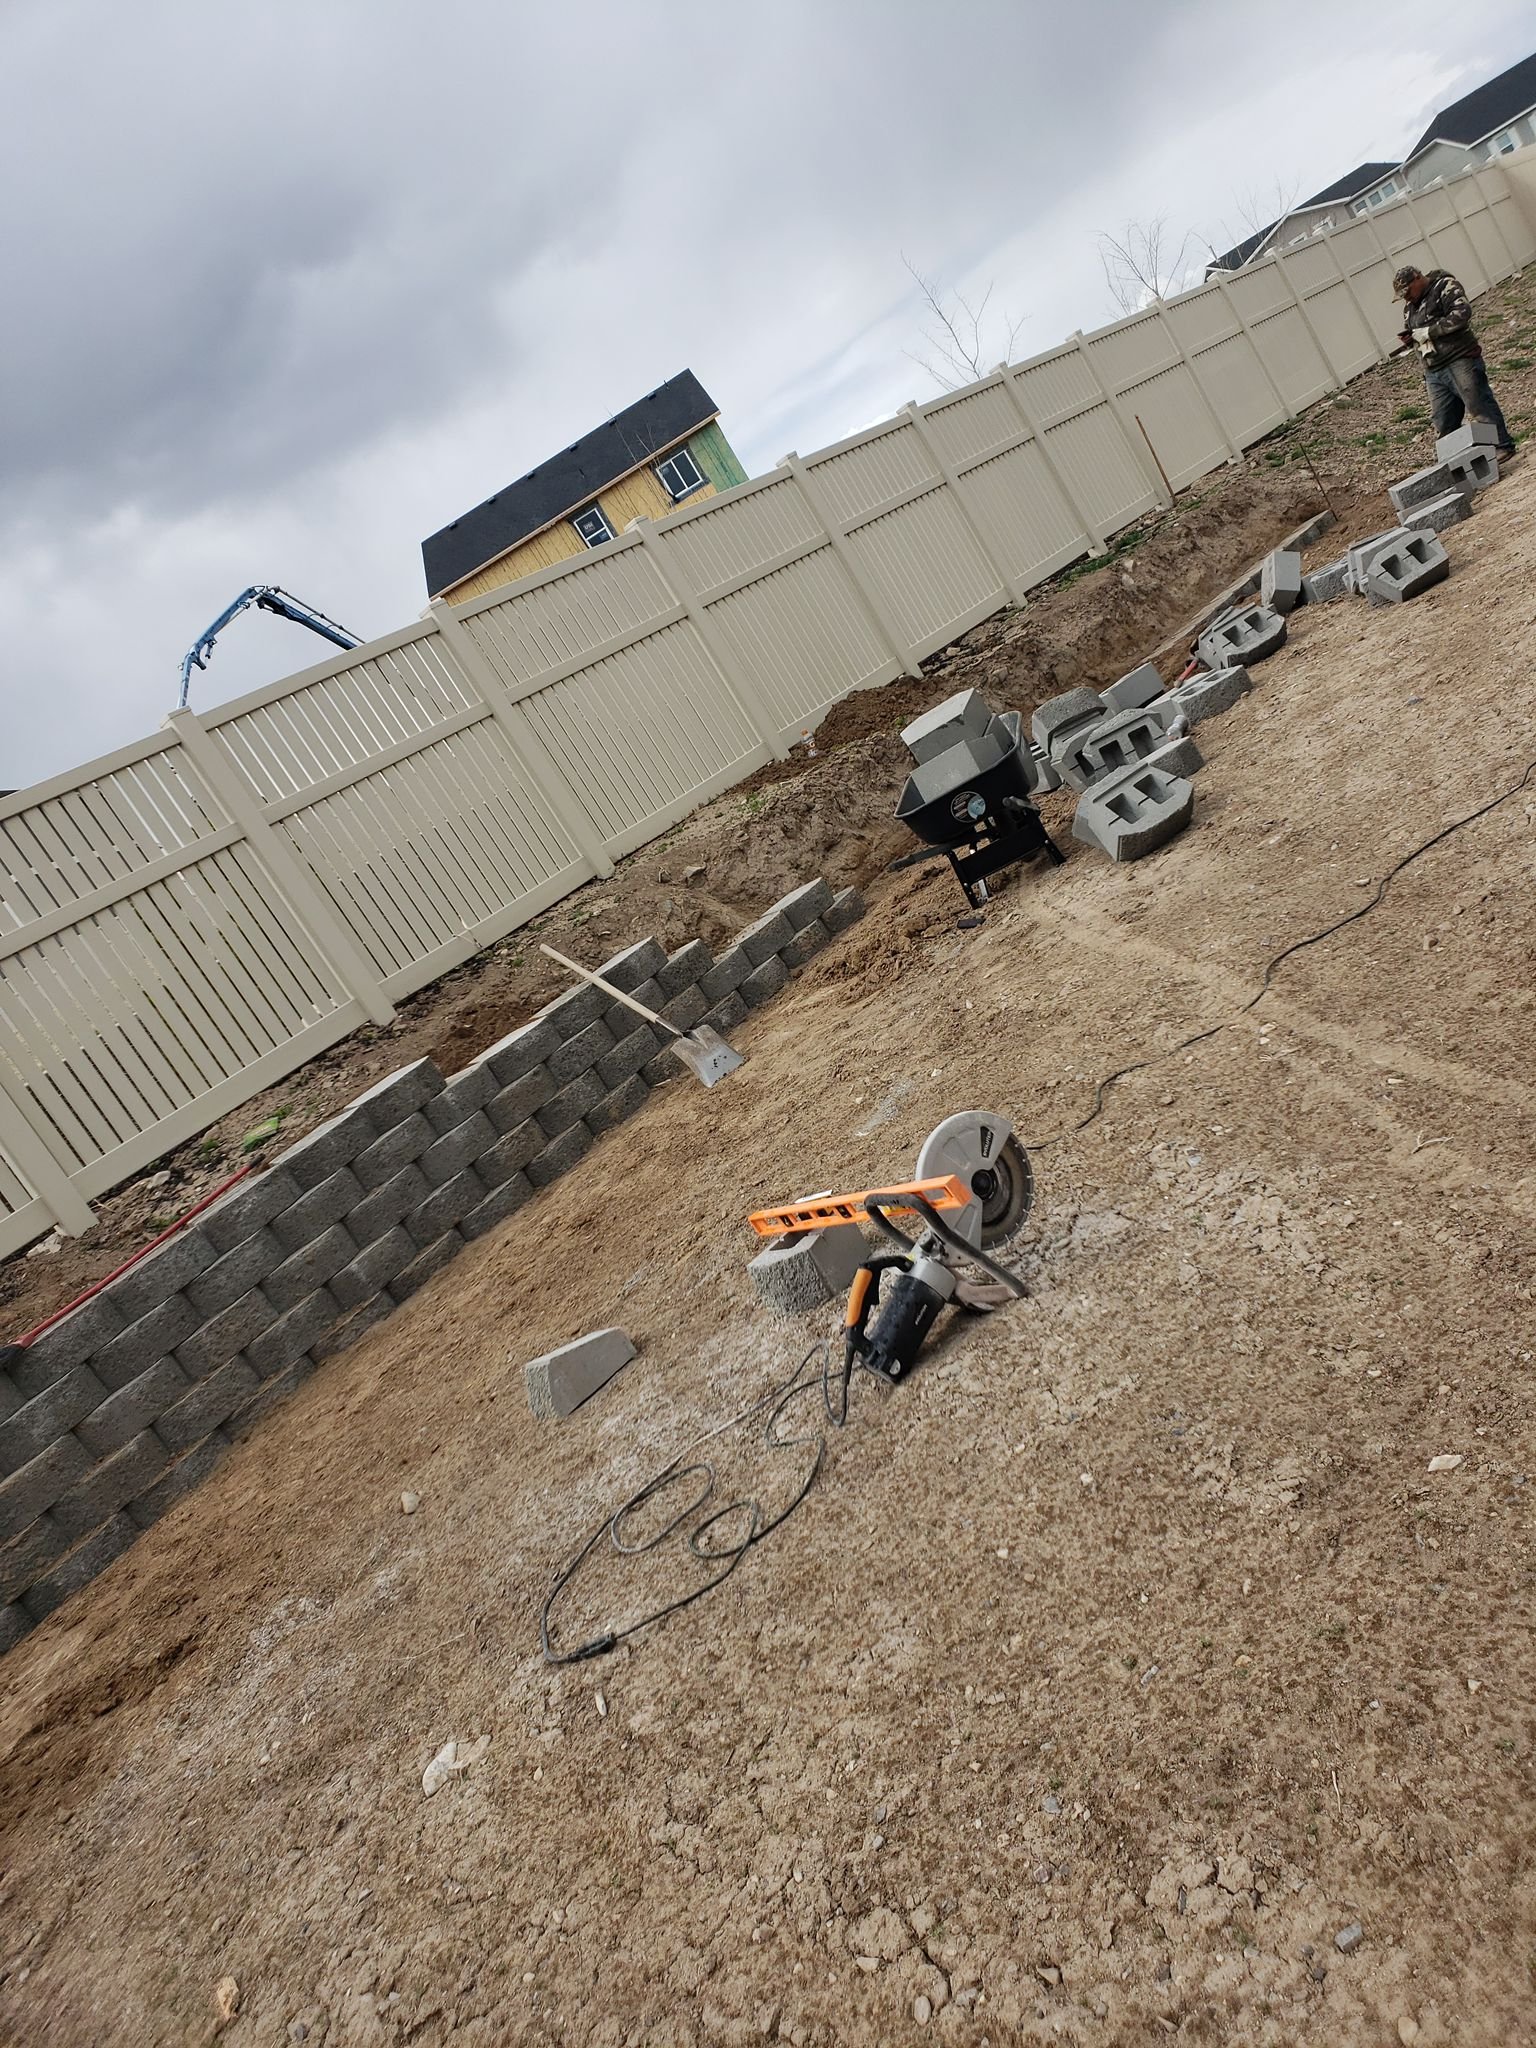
(1461, 391)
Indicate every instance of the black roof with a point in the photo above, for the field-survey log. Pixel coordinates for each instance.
(567, 481)
(1359, 180)
(1494, 105)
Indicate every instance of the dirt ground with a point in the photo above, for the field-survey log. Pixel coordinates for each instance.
(1115, 1666)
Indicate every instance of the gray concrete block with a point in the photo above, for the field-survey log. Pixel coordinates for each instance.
(290, 1337)
(1418, 489)
(68, 1344)
(1462, 440)
(150, 1338)
(1280, 580)
(510, 1153)
(570, 1105)
(966, 715)
(634, 965)
(225, 1335)
(443, 1208)
(726, 976)
(764, 981)
(333, 1144)
(1116, 744)
(441, 1252)
(26, 1557)
(239, 1215)
(1209, 694)
(561, 1380)
(520, 1098)
(804, 905)
(211, 1402)
(1131, 814)
(236, 1273)
(1325, 585)
(1057, 716)
(381, 1210)
(342, 1335)
(765, 939)
(1473, 470)
(15, 1622)
(664, 1067)
(48, 1415)
(132, 1408)
(314, 1211)
(684, 1011)
(188, 1472)
(619, 1104)
(793, 1275)
(1399, 573)
(391, 1100)
(1041, 772)
(580, 1054)
(1436, 514)
(499, 1204)
(461, 1097)
(372, 1269)
(1140, 687)
(88, 1560)
(398, 1147)
(684, 969)
(845, 909)
(1178, 757)
(627, 1057)
(457, 1148)
(529, 1046)
(730, 1011)
(115, 1481)
(33, 1490)
(180, 1259)
(1248, 634)
(1363, 552)
(281, 1387)
(806, 944)
(560, 1156)
(573, 1011)
(309, 1268)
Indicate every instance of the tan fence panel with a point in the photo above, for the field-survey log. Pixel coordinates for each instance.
(752, 532)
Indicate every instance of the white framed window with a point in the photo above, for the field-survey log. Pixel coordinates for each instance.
(593, 526)
(1502, 143)
(679, 475)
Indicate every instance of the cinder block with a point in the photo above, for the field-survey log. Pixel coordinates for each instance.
(1057, 716)
(570, 1105)
(726, 976)
(561, 1380)
(806, 943)
(845, 909)
(179, 1260)
(1280, 580)
(47, 1416)
(573, 1011)
(239, 1215)
(1325, 585)
(84, 1563)
(627, 1057)
(1178, 757)
(223, 1336)
(115, 1481)
(443, 1209)
(634, 965)
(1418, 489)
(68, 1344)
(212, 1401)
(560, 1156)
(236, 1273)
(290, 1337)
(1114, 745)
(1247, 634)
(520, 1098)
(1364, 552)
(1415, 565)
(1473, 470)
(499, 1204)
(764, 981)
(685, 1010)
(400, 1146)
(331, 1145)
(132, 1408)
(432, 1260)
(1209, 694)
(765, 939)
(457, 1149)
(510, 1154)
(727, 1013)
(796, 1274)
(314, 1211)
(189, 1471)
(617, 1105)
(342, 1335)
(1436, 514)
(391, 1100)
(373, 1269)
(1140, 687)
(1131, 814)
(468, 1091)
(382, 1209)
(684, 969)
(580, 1054)
(1462, 440)
(310, 1267)
(33, 1490)
(529, 1046)
(804, 905)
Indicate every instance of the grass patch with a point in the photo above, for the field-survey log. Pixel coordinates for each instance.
(1515, 363)
(1410, 412)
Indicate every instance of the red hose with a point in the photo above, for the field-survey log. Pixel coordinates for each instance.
(142, 1253)
(1193, 669)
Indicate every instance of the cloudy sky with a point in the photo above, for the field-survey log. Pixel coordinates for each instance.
(289, 287)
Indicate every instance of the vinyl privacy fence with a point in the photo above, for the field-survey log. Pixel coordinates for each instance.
(187, 920)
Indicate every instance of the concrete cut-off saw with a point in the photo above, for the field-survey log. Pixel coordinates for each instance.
(972, 1190)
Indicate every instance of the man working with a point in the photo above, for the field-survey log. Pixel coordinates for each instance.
(1439, 326)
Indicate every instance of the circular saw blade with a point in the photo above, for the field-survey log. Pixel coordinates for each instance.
(981, 1150)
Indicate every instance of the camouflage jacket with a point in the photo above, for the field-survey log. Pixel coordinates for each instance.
(1444, 310)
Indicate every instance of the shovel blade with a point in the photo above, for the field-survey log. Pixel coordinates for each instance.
(706, 1055)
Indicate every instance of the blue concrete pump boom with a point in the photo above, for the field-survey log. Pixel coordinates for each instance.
(268, 598)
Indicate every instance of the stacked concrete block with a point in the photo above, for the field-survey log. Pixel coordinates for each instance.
(1208, 694)
(1325, 585)
(1133, 813)
(1058, 718)
(1136, 690)
(1473, 469)
(1119, 743)
(561, 1380)
(1418, 489)
(1415, 565)
(1436, 514)
(1280, 587)
(1463, 439)
(1364, 552)
(1246, 634)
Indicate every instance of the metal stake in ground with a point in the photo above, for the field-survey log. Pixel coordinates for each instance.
(702, 1051)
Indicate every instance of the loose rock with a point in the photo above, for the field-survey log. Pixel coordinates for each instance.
(1348, 1939)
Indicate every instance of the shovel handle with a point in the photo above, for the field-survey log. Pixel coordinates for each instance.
(608, 989)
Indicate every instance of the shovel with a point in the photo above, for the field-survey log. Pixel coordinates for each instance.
(703, 1051)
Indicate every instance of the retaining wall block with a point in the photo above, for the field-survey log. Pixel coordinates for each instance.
(1473, 470)
(1463, 439)
(1248, 634)
(1178, 757)
(580, 1054)
(519, 1099)
(372, 1269)
(804, 905)
(1399, 573)
(618, 1105)
(761, 941)
(132, 1408)
(627, 1057)
(343, 1335)
(637, 963)
(1280, 580)
(684, 969)
(1056, 717)
(570, 1105)
(1131, 814)
(573, 1011)
(391, 1100)
(560, 1155)
(290, 1337)
(1364, 552)
(503, 1201)
(84, 1563)
(685, 1010)
(461, 1097)
(181, 1258)
(443, 1208)
(309, 1268)
(521, 1051)
(189, 1471)
(234, 1274)
(426, 1262)
(1139, 688)
(1436, 514)
(400, 1146)
(845, 909)
(385, 1206)
(23, 1561)
(68, 1344)
(561, 1380)
(1208, 695)
(510, 1153)
(764, 981)
(48, 1415)
(457, 1149)
(335, 1143)
(314, 1211)
(211, 1402)
(726, 976)
(1325, 585)
(33, 1490)
(1119, 743)
(806, 943)
(228, 1333)
(793, 1275)
(1418, 489)
(114, 1482)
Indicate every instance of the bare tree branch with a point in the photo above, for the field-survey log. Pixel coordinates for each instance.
(1257, 209)
(966, 339)
(1141, 263)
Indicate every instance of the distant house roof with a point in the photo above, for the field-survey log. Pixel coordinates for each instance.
(1492, 106)
(567, 481)
(1359, 180)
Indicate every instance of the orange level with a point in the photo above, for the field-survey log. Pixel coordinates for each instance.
(825, 1211)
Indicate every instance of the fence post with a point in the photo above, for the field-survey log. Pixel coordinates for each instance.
(344, 955)
(1145, 460)
(1306, 320)
(529, 750)
(681, 588)
(1494, 222)
(1053, 469)
(1229, 300)
(34, 1158)
(953, 483)
(1234, 452)
(1354, 297)
(837, 534)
